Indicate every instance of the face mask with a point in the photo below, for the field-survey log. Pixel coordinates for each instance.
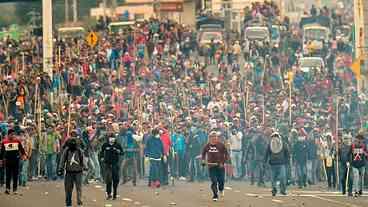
(112, 140)
(301, 138)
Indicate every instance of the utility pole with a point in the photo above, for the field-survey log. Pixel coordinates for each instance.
(47, 36)
(75, 11)
(66, 4)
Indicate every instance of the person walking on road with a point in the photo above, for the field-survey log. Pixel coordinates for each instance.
(214, 155)
(345, 158)
(110, 155)
(278, 156)
(11, 152)
(71, 162)
(154, 153)
(359, 155)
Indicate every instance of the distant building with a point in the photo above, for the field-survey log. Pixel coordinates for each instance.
(183, 11)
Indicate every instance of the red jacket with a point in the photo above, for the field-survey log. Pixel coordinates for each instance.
(166, 141)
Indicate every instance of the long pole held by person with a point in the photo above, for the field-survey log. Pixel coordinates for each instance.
(69, 116)
(337, 141)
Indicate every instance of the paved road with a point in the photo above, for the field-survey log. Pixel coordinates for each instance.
(46, 194)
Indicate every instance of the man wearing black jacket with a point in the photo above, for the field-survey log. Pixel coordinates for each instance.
(277, 155)
(11, 152)
(110, 154)
(300, 156)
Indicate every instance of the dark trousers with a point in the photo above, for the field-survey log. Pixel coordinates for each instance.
(70, 180)
(154, 173)
(130, 164)
(343, 176)
(301, 170)
(278, 173)
(256, 171)
(12, 174)
(331, 177)
(164, 173)
(217, 177)
(112, 178)
(182, 166)
(2, 176)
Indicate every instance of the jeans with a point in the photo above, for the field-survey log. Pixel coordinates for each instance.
(358, 181)
(34, 163)
(256, 169)
(130, 164)
(154, 173)
(23, 172)
(51, 166)
(278, 173)
(70, 180)
(312, 171)
(236, 158)
(182, 165)
(301, 171)
(331, 176)
(217, 177)
(95, 165)
(195, 169)
(345, 178)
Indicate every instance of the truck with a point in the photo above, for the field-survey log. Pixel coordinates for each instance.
(210, 29)
(316, 34)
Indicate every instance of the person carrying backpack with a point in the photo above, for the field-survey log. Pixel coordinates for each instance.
(72, 166)
(359, 155)
(277, 155)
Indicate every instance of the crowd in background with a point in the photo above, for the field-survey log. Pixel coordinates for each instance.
(151, 78)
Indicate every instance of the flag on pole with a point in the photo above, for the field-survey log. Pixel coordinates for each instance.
(355, 67)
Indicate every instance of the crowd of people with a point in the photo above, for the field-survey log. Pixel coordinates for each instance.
(143, 103)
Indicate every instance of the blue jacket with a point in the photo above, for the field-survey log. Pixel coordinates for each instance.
(154, 148)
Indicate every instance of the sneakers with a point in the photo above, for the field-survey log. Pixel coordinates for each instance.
(360, 192)
(215, 198)
(109, 197)
(274, 191)
(222, 193)
(182, 178)
(7, 192)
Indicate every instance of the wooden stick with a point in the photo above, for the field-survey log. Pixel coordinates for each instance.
(290, 122)
(337, 141)
(59, 56)
(23, 62)
(69, 116)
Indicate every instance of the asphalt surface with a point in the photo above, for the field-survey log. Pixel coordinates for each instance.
(237, 194)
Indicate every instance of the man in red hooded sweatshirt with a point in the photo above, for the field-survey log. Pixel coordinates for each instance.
(166, 141)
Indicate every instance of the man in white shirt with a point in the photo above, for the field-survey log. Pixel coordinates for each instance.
(236, 138)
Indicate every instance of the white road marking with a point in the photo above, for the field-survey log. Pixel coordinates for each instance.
(277, 201)
(127, 199)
